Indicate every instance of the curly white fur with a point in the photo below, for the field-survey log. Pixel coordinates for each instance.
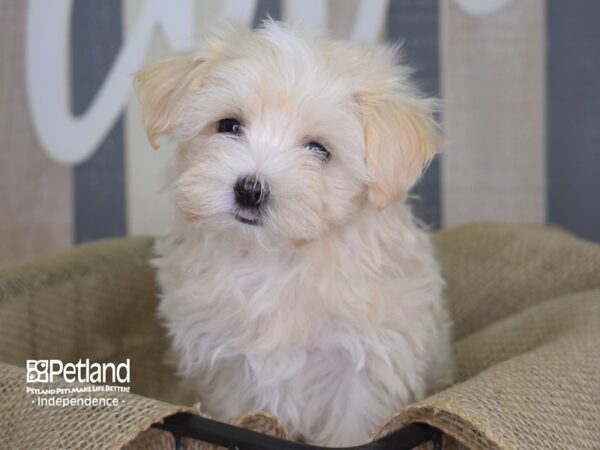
(329, 314)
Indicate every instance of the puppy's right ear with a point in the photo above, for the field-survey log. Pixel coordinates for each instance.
(161, 87)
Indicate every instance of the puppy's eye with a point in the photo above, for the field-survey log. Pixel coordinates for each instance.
(319, 150)
(229, 126)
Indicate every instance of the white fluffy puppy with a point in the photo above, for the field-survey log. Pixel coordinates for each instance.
(295, 279)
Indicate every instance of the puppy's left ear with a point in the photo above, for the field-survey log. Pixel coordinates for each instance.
(401, 139)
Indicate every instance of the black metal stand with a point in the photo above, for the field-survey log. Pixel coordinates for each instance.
(186, 425)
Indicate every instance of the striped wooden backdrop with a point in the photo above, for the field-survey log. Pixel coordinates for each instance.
(519, 79)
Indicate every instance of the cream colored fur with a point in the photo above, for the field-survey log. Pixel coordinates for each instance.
(330, 313)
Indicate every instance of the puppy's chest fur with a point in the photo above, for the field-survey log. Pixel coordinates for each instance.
(266, 303)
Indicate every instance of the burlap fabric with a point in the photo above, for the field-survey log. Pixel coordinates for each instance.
(525, 300)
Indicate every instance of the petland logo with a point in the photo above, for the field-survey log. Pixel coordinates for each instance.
(44, 371)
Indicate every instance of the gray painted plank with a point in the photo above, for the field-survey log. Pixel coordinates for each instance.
(98, 183)
(266, 8)
(416, 24)
(573, 102)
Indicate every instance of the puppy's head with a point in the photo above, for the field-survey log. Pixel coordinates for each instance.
(287, 134)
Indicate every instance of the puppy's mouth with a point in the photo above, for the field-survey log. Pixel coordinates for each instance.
(248, 216)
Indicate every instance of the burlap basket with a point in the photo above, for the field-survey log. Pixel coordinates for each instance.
(526, 305)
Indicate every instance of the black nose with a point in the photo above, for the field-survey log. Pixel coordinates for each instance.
(250, 192)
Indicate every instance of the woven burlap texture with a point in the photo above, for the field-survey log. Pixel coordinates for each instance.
(526, 306)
